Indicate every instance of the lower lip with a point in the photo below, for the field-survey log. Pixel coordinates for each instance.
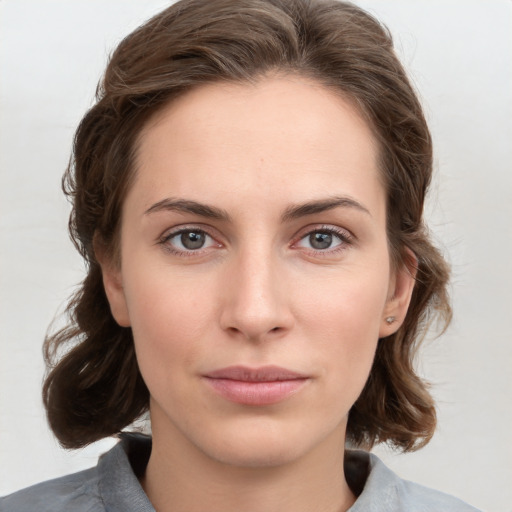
(256, 393)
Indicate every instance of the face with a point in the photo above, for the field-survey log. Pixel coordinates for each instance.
(255, 270)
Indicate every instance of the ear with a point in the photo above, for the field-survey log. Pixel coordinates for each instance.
(113, 283)
(399, 295)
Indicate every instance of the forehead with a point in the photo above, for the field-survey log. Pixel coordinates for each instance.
(281, 138)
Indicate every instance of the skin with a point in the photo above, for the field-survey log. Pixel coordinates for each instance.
(258, 292)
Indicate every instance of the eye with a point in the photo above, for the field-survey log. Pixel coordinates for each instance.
(322, 241)
(325, 239)
(188, 240)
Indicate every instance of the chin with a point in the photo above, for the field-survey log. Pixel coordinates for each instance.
(263, 443)
(261, 453)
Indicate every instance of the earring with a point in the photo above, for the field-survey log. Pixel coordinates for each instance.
(390, 320)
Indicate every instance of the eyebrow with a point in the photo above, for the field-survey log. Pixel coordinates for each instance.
(322, 205)
(291, 213)
(188, 206)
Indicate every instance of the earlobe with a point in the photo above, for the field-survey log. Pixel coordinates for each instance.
(400, 293)
(113, 285)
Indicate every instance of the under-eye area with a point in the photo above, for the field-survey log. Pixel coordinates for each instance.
(318, 241)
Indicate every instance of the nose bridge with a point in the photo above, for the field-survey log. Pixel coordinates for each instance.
(256, 300)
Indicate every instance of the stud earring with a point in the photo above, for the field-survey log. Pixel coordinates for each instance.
(390, 320)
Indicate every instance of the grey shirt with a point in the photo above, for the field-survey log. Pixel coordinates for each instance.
(113, 486)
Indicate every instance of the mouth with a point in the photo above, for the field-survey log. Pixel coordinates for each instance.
(255, 386)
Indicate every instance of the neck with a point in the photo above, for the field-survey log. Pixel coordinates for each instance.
(179, 477)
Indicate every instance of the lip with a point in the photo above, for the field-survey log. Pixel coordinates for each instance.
(255, 386)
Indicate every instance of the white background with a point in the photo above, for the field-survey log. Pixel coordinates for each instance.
(459, 54)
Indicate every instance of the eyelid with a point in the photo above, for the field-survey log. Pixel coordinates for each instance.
(180, 228)
(347, 238)
(170, 233)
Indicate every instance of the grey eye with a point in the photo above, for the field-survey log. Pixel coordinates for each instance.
(189, 240)
(192, 239)
(319, 240)
(322, 240)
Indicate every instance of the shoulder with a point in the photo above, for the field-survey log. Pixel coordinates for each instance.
(112, 485)
(78, 491)
(385, 491)
(416, 497)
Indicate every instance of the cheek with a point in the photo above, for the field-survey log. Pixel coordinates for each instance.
(170, 315)
(343, 317)
(349, 302)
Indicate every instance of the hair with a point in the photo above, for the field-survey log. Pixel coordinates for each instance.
(93, 388)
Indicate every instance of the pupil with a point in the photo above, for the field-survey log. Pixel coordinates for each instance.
(192, 240)
(320, 240)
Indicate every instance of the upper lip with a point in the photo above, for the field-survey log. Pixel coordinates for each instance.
(261, 374)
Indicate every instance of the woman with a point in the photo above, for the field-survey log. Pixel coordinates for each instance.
(248, 194)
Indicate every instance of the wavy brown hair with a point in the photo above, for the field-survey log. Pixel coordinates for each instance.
(94, 388)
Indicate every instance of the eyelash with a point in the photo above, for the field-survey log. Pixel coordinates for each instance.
(345, 237)
(164, 241)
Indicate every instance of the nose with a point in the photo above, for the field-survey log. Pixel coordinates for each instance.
(256, 303)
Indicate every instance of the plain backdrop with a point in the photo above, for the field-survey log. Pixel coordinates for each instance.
(459, 55)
